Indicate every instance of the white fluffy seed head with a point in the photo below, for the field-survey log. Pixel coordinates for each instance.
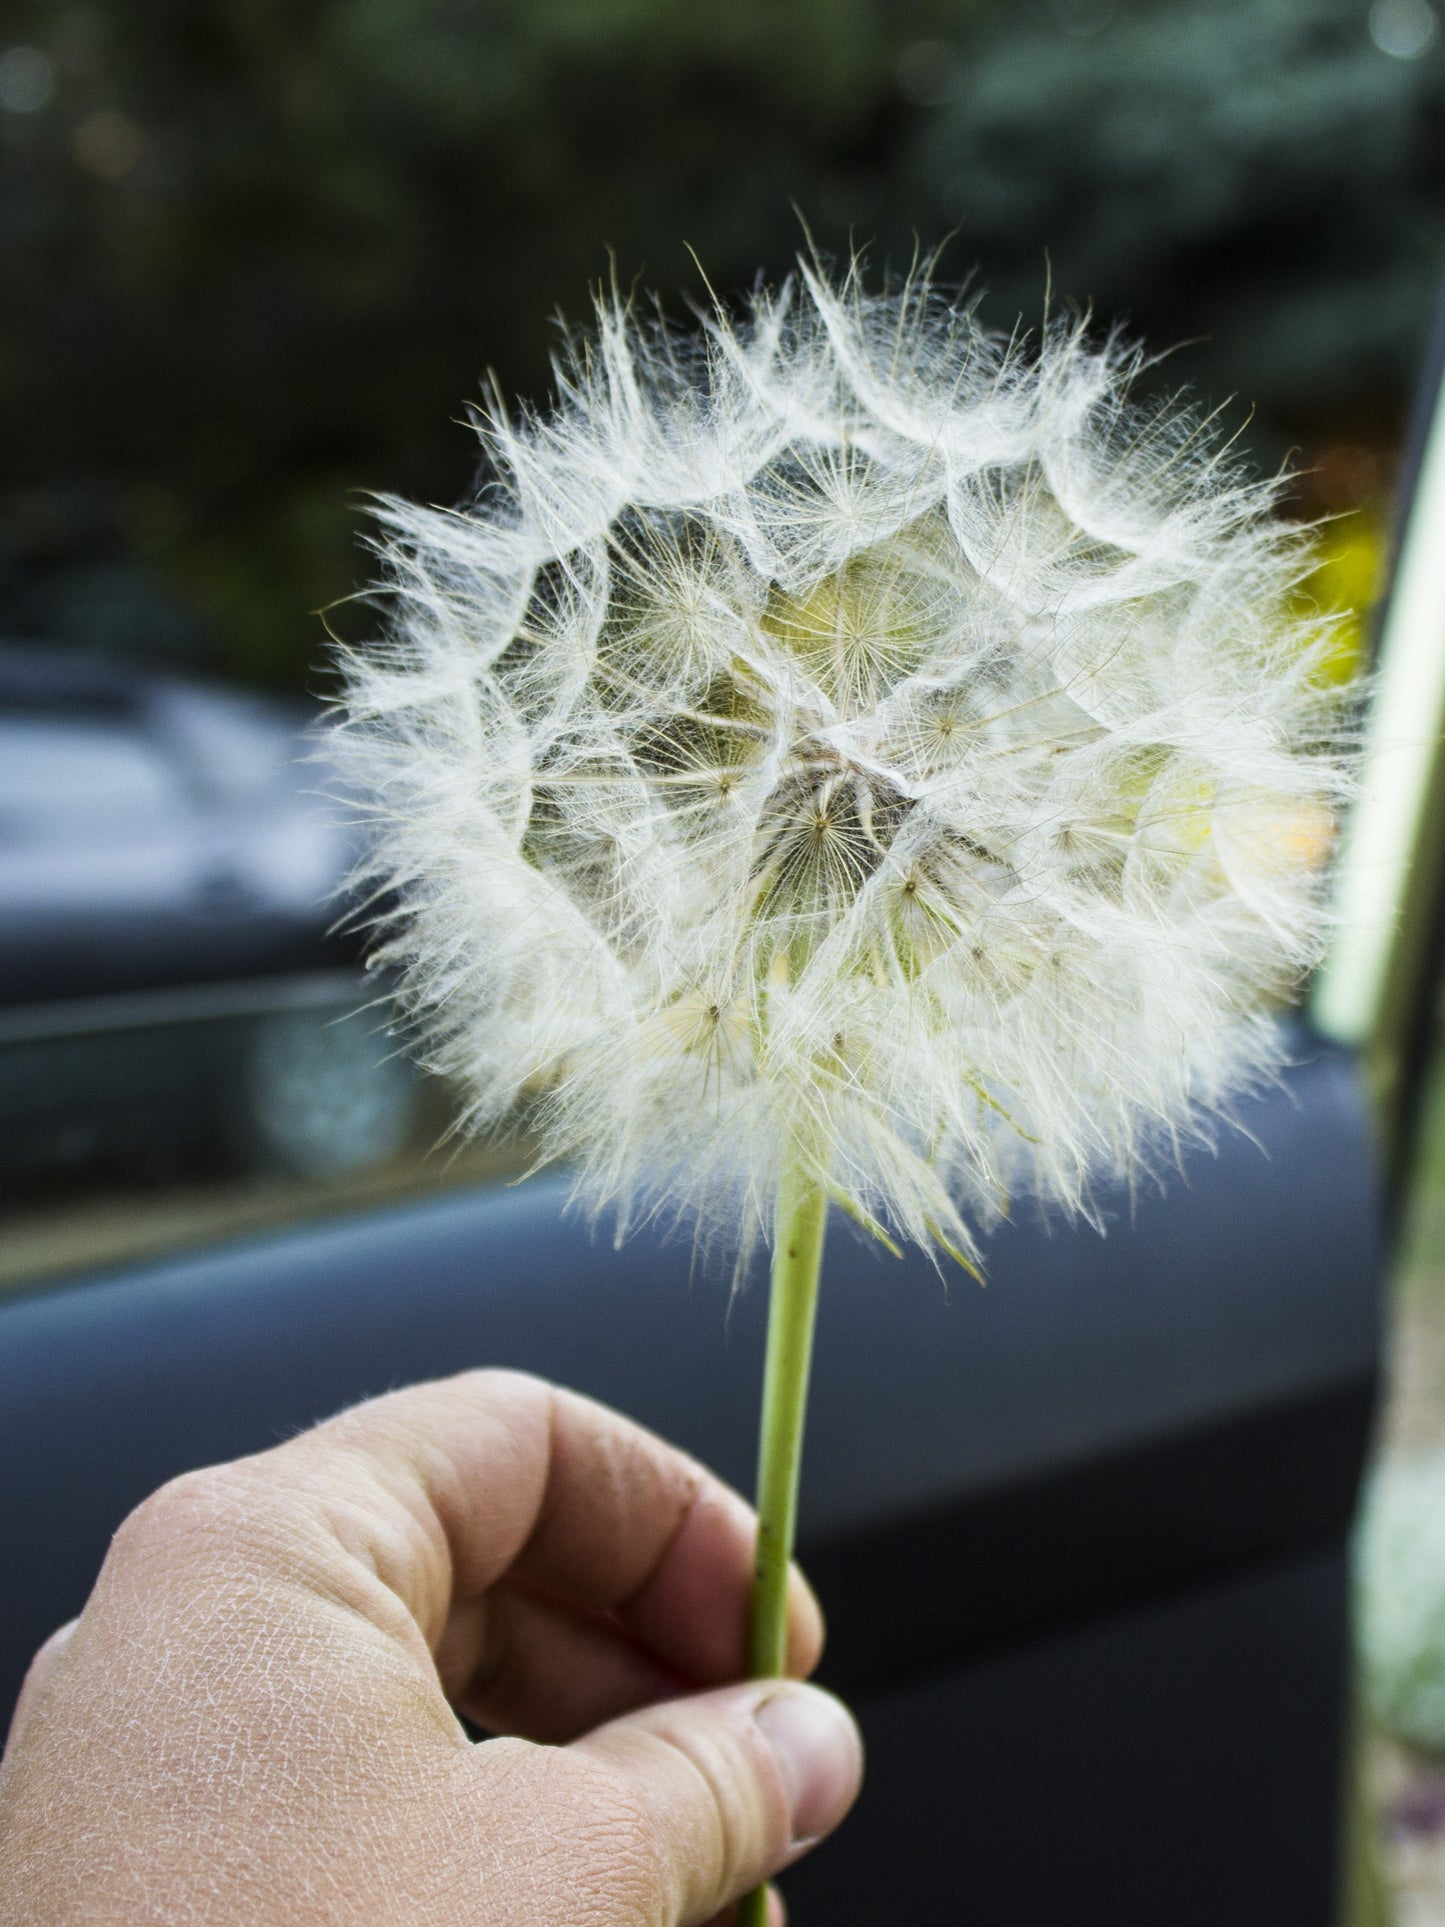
(846, 736)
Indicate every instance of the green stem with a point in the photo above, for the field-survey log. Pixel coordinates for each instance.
(802, 1214)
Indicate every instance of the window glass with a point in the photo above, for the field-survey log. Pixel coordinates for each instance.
(75, 780)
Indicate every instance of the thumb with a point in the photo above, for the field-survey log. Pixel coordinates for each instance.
(725, 1789)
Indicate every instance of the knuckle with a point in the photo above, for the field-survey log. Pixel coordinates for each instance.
(694, 1818)
(628, 1864)
(603, 1846)
(731, 1822)
(500, 1386)
(196, 1507)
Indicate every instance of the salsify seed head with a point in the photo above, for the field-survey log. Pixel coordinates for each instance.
(842, 736)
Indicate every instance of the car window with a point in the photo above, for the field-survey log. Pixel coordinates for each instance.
(238, 749)
(85, 780)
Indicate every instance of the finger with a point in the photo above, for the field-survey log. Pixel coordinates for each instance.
(631, 1526)
(444, 1488)
(37, 1678)
(520, 1662)
(727, 1787)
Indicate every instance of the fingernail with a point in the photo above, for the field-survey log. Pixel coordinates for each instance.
(819, 1755)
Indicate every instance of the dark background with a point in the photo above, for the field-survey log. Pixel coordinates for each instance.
(256, 255)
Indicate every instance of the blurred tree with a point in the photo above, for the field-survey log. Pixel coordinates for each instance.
(1267, 174)
(255, 255)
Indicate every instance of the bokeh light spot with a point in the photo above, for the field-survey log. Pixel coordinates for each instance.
(927, 72)
(27, 80)
(1404, 29)
(108, 145)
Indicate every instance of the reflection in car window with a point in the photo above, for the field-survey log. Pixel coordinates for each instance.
(240, 751)
(64, 780)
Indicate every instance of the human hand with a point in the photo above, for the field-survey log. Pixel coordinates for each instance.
(252, 1721)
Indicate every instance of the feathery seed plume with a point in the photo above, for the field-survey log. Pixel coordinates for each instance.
(845, 740)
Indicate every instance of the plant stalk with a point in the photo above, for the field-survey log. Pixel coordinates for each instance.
(801, 1217)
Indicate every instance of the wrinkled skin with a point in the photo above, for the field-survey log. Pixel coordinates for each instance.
(253, 1719)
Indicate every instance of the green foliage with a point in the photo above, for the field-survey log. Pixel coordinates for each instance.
(1259, 173)
(1401, 1598)
(257, 250)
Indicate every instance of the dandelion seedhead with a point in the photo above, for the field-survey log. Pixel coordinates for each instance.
(847, 738)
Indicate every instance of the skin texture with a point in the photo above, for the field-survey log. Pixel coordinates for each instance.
(253, 1719)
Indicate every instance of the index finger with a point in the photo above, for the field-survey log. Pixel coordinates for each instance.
(466, 1480)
